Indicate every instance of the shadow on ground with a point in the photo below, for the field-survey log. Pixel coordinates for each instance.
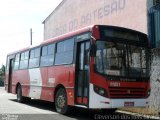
(79, 113)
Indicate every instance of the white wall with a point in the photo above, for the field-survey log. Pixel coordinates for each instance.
(75, 14)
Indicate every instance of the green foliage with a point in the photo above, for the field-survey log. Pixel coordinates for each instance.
(2, 73)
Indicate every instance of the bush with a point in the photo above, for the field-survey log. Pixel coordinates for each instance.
(1, 83)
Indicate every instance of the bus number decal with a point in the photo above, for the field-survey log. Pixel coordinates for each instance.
(51, 80)
(115, 84)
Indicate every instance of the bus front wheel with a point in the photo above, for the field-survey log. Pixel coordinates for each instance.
(61, 101)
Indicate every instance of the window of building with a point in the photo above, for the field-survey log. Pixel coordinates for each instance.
(34, 58)
(156, 2)
(64, 52)
(24, 60)
(47, 58)
(154, 23)
(16, 62)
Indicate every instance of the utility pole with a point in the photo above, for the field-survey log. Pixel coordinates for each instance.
(31, 36)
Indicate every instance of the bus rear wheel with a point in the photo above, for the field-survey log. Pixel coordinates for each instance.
(20, 98)
(61, 102)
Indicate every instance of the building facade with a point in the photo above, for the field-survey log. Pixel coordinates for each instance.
(70, 15)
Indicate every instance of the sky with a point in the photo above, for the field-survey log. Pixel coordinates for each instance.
(16, 19)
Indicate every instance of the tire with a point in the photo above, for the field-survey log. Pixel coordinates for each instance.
(20, 98)
(61, 102)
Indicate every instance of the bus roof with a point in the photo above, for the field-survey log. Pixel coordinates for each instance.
(58, 38)
(67, 35)
(70, 34)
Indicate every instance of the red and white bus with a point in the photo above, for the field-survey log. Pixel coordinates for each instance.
(97, 67)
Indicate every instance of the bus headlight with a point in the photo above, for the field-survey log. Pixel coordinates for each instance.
(100, 91)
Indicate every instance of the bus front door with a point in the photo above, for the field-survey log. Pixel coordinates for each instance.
(82, 73)
(10, 75)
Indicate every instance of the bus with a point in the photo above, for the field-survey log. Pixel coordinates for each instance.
(96, 67)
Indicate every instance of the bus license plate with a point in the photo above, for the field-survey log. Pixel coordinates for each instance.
(128, 104)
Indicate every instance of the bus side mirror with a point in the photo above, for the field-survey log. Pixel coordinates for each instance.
(93, 50)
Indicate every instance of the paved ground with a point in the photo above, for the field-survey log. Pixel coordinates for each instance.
(10, 109)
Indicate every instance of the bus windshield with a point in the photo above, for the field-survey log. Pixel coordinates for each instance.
(120, 59)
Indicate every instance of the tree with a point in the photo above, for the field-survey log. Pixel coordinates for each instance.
(2, 75)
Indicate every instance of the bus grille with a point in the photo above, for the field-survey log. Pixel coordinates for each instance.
(123, 92)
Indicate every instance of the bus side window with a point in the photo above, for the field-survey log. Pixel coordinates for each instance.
(47, 58)
(64, 52)
(34, 58)
(24, 60)
(16, 62)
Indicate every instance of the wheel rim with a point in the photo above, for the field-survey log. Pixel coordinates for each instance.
(61, 101)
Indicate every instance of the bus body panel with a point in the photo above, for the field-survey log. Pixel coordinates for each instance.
(21, 77)
(35, 83)
(102, 102)
(40, 83)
